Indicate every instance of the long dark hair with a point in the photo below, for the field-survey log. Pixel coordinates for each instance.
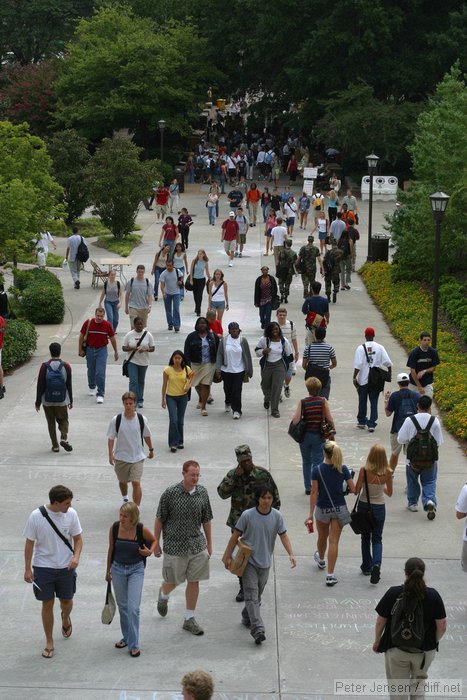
(268, 329)
(415, 585)
(183, 362)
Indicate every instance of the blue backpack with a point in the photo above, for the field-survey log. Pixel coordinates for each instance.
(407, 407)
(55, 384)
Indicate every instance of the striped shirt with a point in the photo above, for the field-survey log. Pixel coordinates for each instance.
(313, 412)
(320, 354)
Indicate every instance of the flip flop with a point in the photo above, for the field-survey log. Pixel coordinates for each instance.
(48, 653)
(66, 631)
(134, 653)
(121, 644)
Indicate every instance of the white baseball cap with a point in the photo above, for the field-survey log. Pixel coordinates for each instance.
(402, 377)
(232, 213)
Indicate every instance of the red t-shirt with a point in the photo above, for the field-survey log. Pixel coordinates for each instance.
(2, 331)
(162, 196)
(231, 229)
(99, 333)
(216, 327)
(170, 232)
(253, 195)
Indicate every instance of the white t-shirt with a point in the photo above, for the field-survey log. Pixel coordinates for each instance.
(408, 430)
(233, 356)
(289, 331)
(377, 356)
(461, 506)
(130, 341)
(279, 234)
(49, 550)
(129, 447)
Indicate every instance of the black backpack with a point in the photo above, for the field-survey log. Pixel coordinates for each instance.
(141, 424)
(328, 262)
(55, 384)
(407, 626)
(82, 254)
(422, 450)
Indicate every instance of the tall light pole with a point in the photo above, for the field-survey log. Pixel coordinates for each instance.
(372, 161)
(439, 202)
(161, 124)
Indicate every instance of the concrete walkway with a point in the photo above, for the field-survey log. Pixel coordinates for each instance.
(314, 634)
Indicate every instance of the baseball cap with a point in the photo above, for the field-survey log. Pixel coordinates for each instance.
(243, 452)
(232, 325)
(370, 332)
(403, 377)
(231, 213)
(311, 239)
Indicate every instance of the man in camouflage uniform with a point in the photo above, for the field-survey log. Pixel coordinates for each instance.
(332, 274)
(285, 270)
(239, 485)
(307, 258)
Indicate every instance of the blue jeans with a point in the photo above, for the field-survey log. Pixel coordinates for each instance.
(176, 406)
(128, 582)
(172, 309)
(212, 215)
(182, 289)
(265, 314)
(157, 273)
(136, 375)
(265, 208)
(222, 181)
(373, 539)
(365, 393)
(170, 243)
(428, 484)
(312, 455)
(111, 310)
(96, 359)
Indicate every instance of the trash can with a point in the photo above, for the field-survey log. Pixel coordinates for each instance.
(380, 247)
(179, 173)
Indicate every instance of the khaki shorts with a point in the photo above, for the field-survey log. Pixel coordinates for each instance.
(192, 567)
(396, 447)
(243, 238)
(128, 471)
(229, 246)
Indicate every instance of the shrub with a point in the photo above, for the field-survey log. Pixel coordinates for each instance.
(120, 247)
(407, 309)
(20, 343)
(43, 304)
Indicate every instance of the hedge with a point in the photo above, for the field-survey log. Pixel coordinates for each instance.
(407, 309)
(40, 295)
(453, 299)
(19, 344)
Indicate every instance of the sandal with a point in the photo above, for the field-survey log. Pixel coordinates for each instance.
(121, 644)
(55, 449)
(134, 653)
(204, 412)
(66, 631)
(48, 653)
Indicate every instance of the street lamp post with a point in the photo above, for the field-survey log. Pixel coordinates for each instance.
(439, 202)
(161, 124)
(372, 161)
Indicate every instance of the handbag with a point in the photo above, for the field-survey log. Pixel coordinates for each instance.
(344, 516)
(126, 362)
(328, 431)
(188, 285)
(362, 522)
(321, 373)
(108, 611)
(85, 339)
(276, 302)
(377, 376)
(297, 431)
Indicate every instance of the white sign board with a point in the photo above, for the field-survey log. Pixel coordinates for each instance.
(310, 173)
(308, 186)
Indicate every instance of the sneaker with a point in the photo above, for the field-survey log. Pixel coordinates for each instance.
(334, 297)
(162, 605)
(210, 400)
(77, 284)
(100, 399)
(92, 392)
(266, 404)
(240, 255)
(328, 297)
(177, 330)
(362, 426)
(321, 563)
(240, 597)
(140, 404)
(66, 445)
(331, 580)
(192, 626)
(287, 391)
(413, 507)
(126, 499)
(236, 254)
(275, 414)
(204, 412)
(170, 328)
(227, 408)
(430, 510)
(347, 286)
(371, 430)
(230, 264)
(260, 638)
(236, 415)
(375, 574)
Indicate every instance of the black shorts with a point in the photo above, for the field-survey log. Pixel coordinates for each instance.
(54, 582)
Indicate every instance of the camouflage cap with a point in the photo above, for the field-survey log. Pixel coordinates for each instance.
(242, 452)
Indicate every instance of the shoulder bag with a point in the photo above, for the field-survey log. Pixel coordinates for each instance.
(108, 611)
(43, 510)
(377, 375)
(328, 431)
(362, 522)
(85, 339)
(342, 516)
(297, 431)
(127, 361)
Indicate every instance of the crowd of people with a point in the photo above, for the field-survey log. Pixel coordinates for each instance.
(208, 354)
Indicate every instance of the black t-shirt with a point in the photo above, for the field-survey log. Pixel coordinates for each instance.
(235, 197)
(433, 609)
(419, 360)
(275, 202)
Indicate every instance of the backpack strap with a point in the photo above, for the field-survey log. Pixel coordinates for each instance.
(43, 510)
(430, 423)
(415, 422)
(118, 422)
(115, 527)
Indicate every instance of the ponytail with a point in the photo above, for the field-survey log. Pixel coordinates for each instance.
(415, 585)
(334, 453)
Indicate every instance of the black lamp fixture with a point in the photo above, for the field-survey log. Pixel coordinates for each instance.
(372, 161)
(439, 202)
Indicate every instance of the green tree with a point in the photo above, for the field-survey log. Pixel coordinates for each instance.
(29, 195)
(439, 154)
(119, 180)
(70, 156)
(126, 72)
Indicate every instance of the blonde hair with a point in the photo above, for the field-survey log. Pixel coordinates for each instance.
(332, 195)
(199, 683)
(313, 385)
(132, 510)
(377, 461)
(334, 453)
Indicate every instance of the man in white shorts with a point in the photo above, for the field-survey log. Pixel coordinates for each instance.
(183, 510)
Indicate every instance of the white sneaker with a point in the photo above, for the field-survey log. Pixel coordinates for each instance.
(413, 507)
(100, 399)
(236, 415)
(92, 392)
(231, 264)
(227, 407)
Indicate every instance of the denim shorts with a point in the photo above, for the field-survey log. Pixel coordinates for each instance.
(217, 304)
(325, 515)
(290, 220)
(54, 582)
